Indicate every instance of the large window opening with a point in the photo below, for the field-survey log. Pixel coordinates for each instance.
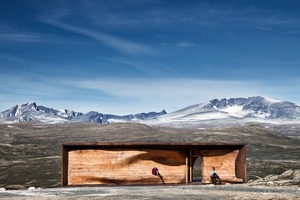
(197, 170)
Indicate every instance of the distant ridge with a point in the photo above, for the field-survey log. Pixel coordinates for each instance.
(32, 112)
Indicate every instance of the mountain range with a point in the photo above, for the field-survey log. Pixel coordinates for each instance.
(213, 113)
(233, 111)
(33, 112)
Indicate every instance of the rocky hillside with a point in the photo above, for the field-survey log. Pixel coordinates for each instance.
(287, 178)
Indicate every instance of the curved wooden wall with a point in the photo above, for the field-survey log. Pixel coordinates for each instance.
(119, 166)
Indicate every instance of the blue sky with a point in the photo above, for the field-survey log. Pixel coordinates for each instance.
(133, 56)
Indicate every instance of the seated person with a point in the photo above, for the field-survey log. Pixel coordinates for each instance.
(155, 172)
(215, 179)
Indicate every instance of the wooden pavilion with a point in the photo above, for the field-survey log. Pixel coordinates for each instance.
(131, 163)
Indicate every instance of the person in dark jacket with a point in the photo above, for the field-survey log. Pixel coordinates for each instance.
(214, 177)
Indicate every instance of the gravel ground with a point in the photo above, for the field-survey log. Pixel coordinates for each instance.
(173, 192)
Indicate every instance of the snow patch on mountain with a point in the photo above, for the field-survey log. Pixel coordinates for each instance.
(270, 100)
(235, 111)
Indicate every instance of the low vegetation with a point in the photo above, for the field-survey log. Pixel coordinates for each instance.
(30, 152)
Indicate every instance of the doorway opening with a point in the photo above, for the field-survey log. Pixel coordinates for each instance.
(197, 170)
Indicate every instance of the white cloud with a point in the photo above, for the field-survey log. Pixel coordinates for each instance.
(185, 44)
(148, 67)
(170, 94)
(113, 41)
(29, 37)
(124, 96)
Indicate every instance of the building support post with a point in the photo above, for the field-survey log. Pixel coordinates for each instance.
(187, 169)
(191, 167)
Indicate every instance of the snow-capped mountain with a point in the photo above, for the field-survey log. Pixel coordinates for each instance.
(32, 112)
(231, 111)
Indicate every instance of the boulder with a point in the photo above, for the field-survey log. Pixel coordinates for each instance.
(31, 188)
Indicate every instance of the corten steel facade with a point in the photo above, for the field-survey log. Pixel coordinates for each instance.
(131, 163)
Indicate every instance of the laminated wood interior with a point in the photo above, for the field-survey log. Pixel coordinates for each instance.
(119, 166)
